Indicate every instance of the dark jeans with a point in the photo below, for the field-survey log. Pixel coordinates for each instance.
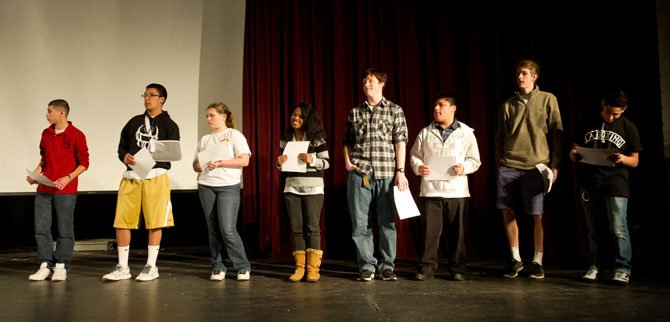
(64, 205)
(304, 212)
(434, 211)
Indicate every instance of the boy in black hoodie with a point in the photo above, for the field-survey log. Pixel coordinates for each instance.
(150, 194)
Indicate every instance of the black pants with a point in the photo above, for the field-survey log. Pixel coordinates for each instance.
(304, 212)
(434, 212)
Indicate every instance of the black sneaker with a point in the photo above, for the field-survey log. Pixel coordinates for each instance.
(366, 275)
(423, 276)
(536, 271)
(513, 269)
(388, 275)
(457, 277)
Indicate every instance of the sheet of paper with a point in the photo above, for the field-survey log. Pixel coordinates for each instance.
(547, 176)
(404, 203)
(214, 153)
(40, 178)
(143, 163)
(595, 156)
(167, 150)
(292, 149)
(439, 166)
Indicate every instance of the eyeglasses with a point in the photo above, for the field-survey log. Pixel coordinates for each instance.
(150, 95)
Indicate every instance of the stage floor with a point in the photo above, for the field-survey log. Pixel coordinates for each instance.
(183, 292)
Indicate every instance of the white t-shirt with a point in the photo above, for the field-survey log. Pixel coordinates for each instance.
(236, 144)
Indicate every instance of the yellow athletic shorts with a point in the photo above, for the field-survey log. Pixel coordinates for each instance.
(152, 196)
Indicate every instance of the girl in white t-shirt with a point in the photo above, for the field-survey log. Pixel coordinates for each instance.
(219, 160)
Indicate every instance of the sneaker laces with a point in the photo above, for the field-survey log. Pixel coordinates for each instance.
(147, 269)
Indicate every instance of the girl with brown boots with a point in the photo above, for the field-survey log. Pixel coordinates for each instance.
(303, 190)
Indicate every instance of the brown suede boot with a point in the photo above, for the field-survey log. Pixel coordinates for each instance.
(313, 264)
(299, 256)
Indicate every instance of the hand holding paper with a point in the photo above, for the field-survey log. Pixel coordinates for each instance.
(595, 156)
(404, 203)
(143, 163)
(439, 167)
(214, 153)
(40, 178)
(293, 149)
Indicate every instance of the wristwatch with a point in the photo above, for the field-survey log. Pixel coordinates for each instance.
(401, 170)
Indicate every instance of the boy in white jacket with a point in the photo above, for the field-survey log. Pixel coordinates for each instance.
(443, 154)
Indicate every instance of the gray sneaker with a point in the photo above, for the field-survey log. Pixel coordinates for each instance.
(149, 273)
(388, 275)
(119, 273)
(366, 275)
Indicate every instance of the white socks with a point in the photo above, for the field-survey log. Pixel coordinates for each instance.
(515, 253)
(123, 255)
(538, 257)
(124, 252)
(152, 255)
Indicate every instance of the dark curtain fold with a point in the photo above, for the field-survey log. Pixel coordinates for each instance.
(316, 51)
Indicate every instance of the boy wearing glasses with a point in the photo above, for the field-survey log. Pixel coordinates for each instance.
(150, 194)
(64, 156)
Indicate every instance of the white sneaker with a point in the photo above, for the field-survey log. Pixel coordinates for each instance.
(621, 277)
(591, 274)
(149, 273)
(60, 273)
(243, 275)
(119, 273)
(217, 275)
(41, 274)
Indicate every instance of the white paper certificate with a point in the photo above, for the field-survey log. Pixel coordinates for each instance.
(439, 167)
(214, 153)
(595, 156)
(404, 203)
(143, 163)
(40, 178)
(292, 149)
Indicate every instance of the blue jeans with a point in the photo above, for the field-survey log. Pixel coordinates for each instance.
(64, 205)
(376, 194)
(222, 225)
(596, 207)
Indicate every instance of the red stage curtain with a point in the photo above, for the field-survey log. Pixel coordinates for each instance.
(316, 51)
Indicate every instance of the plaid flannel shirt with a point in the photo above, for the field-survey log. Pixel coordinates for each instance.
(372, 135)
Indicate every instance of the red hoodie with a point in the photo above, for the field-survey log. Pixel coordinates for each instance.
(61, 154)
